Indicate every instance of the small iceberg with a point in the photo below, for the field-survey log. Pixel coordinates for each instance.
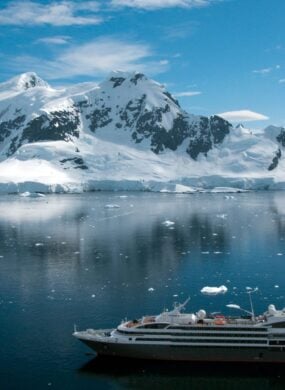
(214, 290)
(28, 194)
(168, 223)
(112, 206)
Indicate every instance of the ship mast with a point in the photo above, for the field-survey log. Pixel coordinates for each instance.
(251, 303)
(180, 306)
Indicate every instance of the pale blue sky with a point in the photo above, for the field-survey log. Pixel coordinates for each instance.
(216, 55)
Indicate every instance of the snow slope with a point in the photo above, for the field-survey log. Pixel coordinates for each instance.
(128, 133)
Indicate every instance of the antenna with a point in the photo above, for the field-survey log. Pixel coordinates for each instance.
(182, 305)
(249, 292)
(234, 306)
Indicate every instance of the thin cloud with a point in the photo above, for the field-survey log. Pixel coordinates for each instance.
(266, 70)
(180, 30)
(187, 93)
(94, 59)
(281, 81)
(60, 13)
(263, 71)
(243, 116)
(57, 40)
(158, 4)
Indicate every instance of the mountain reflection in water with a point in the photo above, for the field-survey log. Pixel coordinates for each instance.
(66, 259)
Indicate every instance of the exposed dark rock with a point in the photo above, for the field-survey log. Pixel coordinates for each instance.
(281, 137)
(171, 98)
(32, 82)
(7, 127)
(56, 126)
(275, 160)
(78, 161)
(13, 146)
(83, 104)
(211, 131)
(137, 77)
(132, 111)
(117, 81)
(99, 118)
(219, 128)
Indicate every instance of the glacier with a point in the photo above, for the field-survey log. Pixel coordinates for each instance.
(127, 133)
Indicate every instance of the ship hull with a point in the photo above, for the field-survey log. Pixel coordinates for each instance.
(187, 353)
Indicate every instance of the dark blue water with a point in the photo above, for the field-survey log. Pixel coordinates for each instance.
(68, 260)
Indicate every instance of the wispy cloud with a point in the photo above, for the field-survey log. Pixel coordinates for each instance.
(180, 30)
(187, 93)
(158, 4)
(243, 116)
(59, 13)
(281, 81)
(265, 71)
(94, 59)
(56, 40)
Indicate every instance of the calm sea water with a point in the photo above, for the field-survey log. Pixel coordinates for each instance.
(68, 260)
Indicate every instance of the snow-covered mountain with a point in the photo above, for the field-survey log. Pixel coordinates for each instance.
(126, 133)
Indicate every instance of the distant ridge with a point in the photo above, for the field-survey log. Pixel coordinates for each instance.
(126, 133)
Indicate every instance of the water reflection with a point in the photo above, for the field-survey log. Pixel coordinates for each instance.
(132, 374)
(68, 259)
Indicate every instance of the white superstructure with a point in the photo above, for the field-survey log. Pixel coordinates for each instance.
(173, 335)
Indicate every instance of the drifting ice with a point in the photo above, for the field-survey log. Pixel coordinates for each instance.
(214, 290)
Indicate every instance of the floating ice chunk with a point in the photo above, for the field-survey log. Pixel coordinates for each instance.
(168, 223)
(222, 216)
(112, 206)
(276, 286)
(28, 194)
(214, 290)
(279, 254)
(39, 244)
(151, 289)
(93, 296)
(229, 197)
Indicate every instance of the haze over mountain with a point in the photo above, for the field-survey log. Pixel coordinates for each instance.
(127, 133)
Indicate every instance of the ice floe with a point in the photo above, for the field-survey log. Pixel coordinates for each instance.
(168, 223)
(214, 290)
(28, 194)
(112, 206)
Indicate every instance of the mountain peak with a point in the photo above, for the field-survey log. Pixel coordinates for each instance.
(30, 80)
(118, 77)
(23, 82)
(239, 126)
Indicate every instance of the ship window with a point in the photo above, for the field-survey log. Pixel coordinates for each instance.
(279, 325)
(203, 341)
(153, 326)
(210, 328)
(193, 333)
(277, 342)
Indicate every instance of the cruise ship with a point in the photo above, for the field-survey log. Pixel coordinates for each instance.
(173, 335)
